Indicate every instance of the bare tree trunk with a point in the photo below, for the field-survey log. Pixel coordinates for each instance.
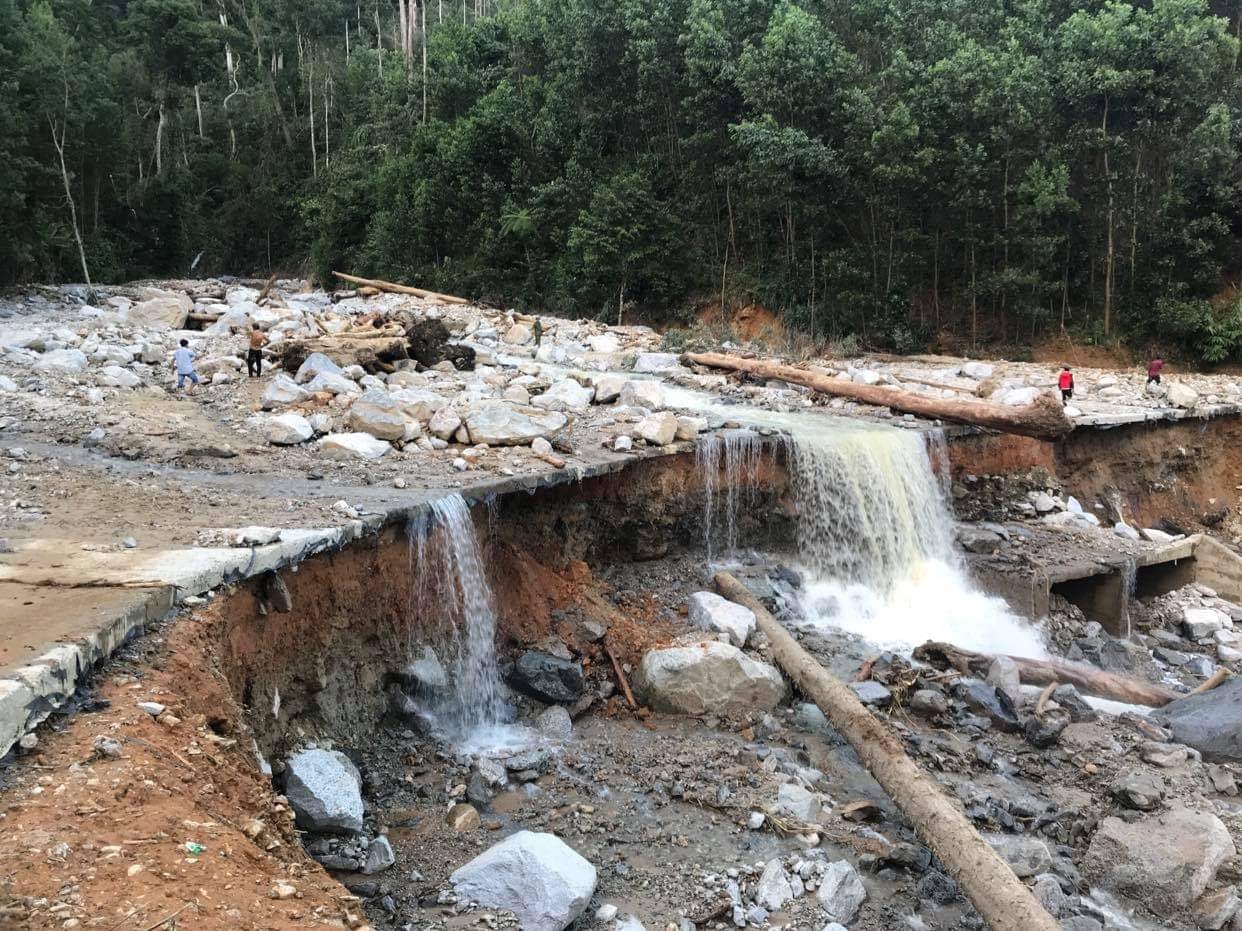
(327, 148)
(198, 107)
(159, 140)
(1044, 418)
(621, 302)
(346, 41)
(59, 142)
(379, 45)
(310, 96)
(423, 6)
(1001, 898)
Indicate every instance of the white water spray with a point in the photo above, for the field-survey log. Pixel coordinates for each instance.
(450, 584)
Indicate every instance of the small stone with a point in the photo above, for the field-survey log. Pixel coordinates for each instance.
(107, 748)
(380, 856)
(283, 891)
(798, 802)
(129, 543)
(28, 742)
(756, 820)
(1216, 909)
(153, 708)
(841, 892)
(871, 693)
(606, 913)
(929, 702)
(462, 818)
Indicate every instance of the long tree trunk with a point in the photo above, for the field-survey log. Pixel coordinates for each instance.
(1044, 418)
(59, 142)
(159, 140)
(1003, 901)
(198, 108)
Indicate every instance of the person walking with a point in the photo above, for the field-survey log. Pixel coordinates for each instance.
(254, 355)
(1154, 368)
(183, 362)
(1066, 383)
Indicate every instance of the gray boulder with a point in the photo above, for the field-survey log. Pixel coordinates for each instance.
(499, 424)
(538, 877)
(1211, 722)
(1164, 861)
(325, 792)
(841, 892)
(315, 364)
(564, 395)
(709, 611)
(379, 856)
(1026, 856)
(706, 678)
(377, 413)
(546, 677)
(283, 390)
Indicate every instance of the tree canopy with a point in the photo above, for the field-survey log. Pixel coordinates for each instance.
(999, 170)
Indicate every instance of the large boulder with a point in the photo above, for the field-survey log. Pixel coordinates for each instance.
(499, 424)
(117, 376)
(518, 335)
(707, 678)
(841, 892)
(711, 612)
(1180, 394)
(161, 310)
(1164, 861)
(325, 792)
(564, 395)
(316, 364)
(419, 404)
(1026, 856)
(1211, 722)
(376, 412)
(546, 677)
(287, 429)
(538, 877)
(1203, 622)
(283, 390)
(655, 363)
(353, 446)
(62, 360)
(642, 392)
(608, 387)
(332, 383)
(657, 429)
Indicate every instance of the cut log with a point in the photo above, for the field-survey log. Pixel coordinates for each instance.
(373, 353)
(1000, 897)
(1086, 679)
(402, 289)
(1044, 418)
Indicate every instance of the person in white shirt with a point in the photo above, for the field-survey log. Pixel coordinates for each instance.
(183, 361)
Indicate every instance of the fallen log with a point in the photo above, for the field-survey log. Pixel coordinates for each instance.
(402, 289)
(1044, 418)
(1000, 897)
(373, 353)
(1044, 672)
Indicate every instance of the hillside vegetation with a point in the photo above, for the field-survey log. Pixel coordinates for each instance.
(995, 170)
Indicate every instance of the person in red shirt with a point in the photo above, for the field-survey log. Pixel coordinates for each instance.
(1066, 383)
(1154, 368)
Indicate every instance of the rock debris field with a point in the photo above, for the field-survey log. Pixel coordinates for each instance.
(721, 798)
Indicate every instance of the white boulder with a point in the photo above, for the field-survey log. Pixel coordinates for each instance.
(538, 877)
(518, 335)
(418, 403)
(287, 429)
(116, 376)
(564, 395)
(62, 360)
(379, 414)
(332, 383)
(709, 611)
(353, 446)
(710, 677)
(499, 424)
(443, 423)
(283, 390)
(656, 363)
(642, 392)
(608, 387)
(977, 370)
(314, 364)
(1180, 394)
(160, 310)
(657, 429)
(1203, 622)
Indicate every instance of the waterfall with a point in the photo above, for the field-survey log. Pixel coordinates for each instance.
(875, 540)
(729, 463)
(449, 585)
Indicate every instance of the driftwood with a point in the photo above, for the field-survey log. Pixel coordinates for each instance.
(401, 289)
(1095, 682)
(373, 353)
(1000, 897)
(1044, 418)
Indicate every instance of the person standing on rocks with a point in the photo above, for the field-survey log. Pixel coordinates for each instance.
(538, 332)
(254, 355)
(183, 362)
(1066, 383)
(1154, 368)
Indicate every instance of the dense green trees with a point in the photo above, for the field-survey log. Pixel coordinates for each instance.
(998, 169)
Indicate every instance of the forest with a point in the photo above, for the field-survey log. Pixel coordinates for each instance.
(876, 171)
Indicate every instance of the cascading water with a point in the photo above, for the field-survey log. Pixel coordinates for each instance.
(729, 462)
(450, 584)
(875, 537)
(874, 534)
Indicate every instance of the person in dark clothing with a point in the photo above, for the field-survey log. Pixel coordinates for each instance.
(254, 355)
(538, 331)
(1154, 368)
(1066, 383)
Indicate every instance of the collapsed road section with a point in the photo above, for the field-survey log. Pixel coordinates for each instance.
(402, 693)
